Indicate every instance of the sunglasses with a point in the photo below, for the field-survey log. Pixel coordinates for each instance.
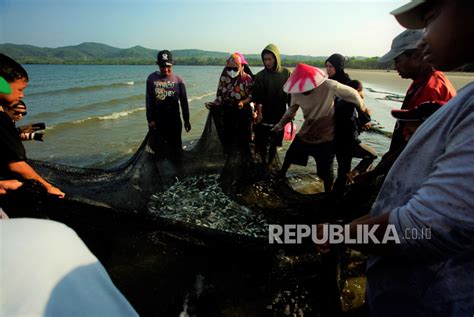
(235, 69)
(19, 113)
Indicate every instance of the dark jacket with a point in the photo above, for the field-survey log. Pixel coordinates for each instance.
(268, 88)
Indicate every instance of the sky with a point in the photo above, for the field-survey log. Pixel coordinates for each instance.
(318, 27)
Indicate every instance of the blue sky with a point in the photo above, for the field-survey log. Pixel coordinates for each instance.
(297, 27)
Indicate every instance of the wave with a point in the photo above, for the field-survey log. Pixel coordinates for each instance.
(113, 116)
(95, 119)
(90, 106)
(103, 104)
(201, 96)
(388, 95)
(86, 88)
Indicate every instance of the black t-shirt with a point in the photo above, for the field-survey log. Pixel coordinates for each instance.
(11, 148)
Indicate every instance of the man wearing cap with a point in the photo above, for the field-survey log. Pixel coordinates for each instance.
(165, 91)
(430, 187)
(428, 84)
(314, 93)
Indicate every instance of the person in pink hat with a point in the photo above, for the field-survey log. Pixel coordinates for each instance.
(314, 93)
(231, 109)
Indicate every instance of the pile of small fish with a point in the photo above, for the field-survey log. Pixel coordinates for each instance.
(199, 200)
(291, 302)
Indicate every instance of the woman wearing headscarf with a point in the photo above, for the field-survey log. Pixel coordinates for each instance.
(247, 69)
(344, 150)
(231, 111)
(335, 68)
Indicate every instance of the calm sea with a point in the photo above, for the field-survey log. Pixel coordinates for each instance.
(95, 115)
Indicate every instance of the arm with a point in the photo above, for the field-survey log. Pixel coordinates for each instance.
(9, 185)
(27, 172)
(183, 100)
(287, 117)
(218, 100)
(242, 103)
(349, 94)
(248, 86)
(149, 101)
(445, 201)
(380, 222)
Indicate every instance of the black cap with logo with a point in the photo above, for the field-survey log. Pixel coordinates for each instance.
(164, 58)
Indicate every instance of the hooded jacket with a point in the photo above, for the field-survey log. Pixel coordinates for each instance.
(268, 88)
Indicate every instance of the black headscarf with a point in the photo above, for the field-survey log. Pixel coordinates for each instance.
(338, 61)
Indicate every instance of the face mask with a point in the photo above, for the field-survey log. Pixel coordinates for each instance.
(232, 73)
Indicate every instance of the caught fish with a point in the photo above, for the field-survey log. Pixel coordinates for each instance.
(200, 200)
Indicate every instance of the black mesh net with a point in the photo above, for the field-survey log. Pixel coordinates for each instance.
(128, 188)
(191, 235)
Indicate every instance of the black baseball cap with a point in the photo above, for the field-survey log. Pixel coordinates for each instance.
(164, 58)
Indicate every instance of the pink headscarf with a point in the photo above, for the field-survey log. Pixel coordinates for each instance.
(234, 61)
(242, 58)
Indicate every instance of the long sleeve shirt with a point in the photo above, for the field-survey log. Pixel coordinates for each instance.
(430, 186)
(318, 110)
(163, 96)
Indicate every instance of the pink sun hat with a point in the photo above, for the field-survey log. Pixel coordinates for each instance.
(304, 78)
(242, 58)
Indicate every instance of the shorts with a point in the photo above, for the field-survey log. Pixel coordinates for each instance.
(323, 154)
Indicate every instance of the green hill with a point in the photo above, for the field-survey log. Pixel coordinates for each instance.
(97, 53)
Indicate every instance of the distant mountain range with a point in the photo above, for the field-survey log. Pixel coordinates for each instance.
(92, 53)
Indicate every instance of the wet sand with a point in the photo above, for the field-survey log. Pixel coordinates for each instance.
(383, 78)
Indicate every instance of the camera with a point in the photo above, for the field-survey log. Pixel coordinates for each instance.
(39, 126)
(37, 136)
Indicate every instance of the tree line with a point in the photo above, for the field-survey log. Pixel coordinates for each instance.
(351, 62)
(368, 63)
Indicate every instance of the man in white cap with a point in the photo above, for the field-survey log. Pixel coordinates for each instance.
(429, 85)
(314, 93)
(430, 187)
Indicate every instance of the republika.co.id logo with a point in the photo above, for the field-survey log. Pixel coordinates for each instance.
(336, 234)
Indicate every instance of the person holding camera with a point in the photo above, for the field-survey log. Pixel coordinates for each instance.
(17, 111)
(13, 161)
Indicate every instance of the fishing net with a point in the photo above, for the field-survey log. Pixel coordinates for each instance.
(141, 184)
(161, 226)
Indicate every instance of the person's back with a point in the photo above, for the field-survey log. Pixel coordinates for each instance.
(312, 92)
(318, 110)
(346, 129)
(349, 121)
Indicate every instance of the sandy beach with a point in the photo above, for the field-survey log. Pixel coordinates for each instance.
(393, 80)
